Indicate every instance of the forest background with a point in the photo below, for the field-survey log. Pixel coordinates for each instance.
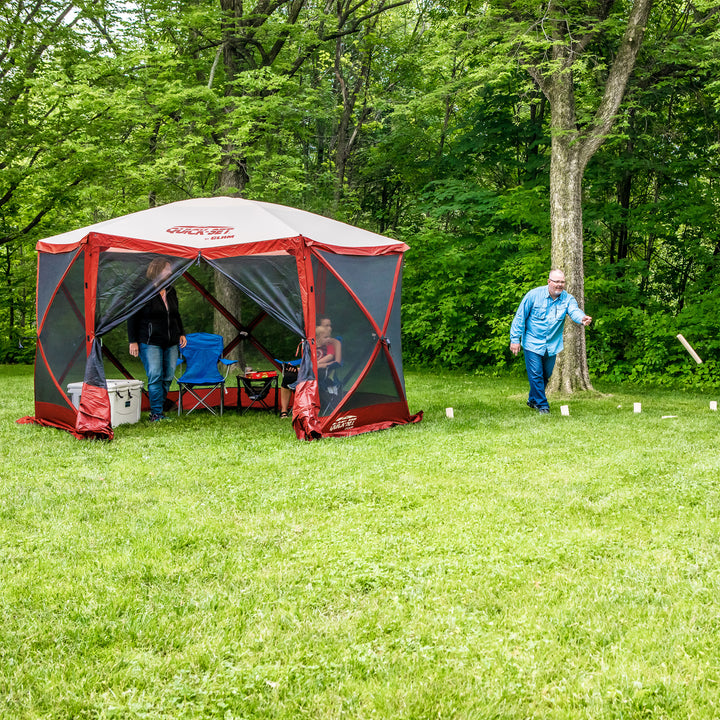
(413, 119)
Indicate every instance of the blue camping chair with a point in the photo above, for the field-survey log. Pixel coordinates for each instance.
(202, 354)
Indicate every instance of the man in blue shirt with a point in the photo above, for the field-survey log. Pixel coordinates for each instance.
(538, 326)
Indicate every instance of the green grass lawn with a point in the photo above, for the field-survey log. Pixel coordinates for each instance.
(498, 565)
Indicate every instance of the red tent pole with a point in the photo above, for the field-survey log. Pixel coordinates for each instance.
(92, 257)
(307, 396)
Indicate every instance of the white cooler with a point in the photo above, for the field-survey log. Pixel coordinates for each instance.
(125, 399)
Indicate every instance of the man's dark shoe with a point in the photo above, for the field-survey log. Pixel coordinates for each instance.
(543, 411)
(531, 404)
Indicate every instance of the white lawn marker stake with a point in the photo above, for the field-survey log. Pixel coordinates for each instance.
(637, 407)
(713, 404)
(693, 354)
(564, 410)
(449, 412)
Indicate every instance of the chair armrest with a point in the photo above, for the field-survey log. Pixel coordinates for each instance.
(227, 364)
(294, 363)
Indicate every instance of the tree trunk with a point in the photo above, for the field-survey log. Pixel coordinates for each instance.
(623, 232)
(566, 222)
(231, 298)
(566, 171)
(232, 179)
(9, 286)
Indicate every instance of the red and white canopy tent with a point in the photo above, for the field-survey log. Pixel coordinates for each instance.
(297, 266)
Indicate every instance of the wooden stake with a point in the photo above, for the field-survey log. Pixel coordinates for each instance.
(693, 354)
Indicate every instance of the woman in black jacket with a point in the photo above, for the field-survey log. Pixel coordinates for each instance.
(154, 333)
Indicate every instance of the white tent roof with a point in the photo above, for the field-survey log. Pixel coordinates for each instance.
(219, 221)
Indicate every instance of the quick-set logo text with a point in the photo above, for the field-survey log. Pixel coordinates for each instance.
(215, 230)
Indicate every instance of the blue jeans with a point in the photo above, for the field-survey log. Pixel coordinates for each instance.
(159, 364)
(539, 369)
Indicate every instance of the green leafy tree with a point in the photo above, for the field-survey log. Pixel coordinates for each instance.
(581, 57)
